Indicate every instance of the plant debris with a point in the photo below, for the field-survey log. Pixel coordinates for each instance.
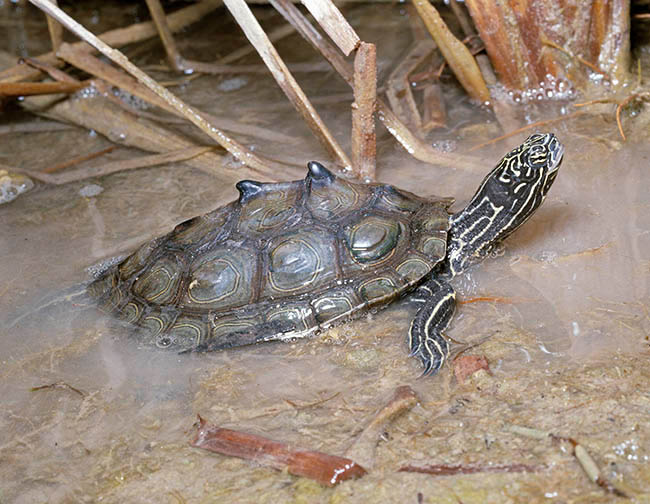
(59, 385)
(328, 470)
(466, 365)
(585, 460)
(363, 449)
(450, 470)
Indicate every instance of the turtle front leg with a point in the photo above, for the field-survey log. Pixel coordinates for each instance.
(425, 334)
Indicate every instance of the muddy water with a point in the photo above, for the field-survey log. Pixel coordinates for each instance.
(561, 315)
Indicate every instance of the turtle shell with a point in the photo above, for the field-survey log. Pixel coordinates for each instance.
(282, 261)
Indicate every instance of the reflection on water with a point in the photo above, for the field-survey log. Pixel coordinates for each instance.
(561, 316)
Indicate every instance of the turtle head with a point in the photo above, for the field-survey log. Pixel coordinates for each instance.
(506, 198)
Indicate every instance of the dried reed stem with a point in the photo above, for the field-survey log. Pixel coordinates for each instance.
(236, 149)
(402, 134)
(434, 113)
(119, 37)
(363, 449)
(79, 159)
(329, 17)
(399, 89)
(459, 58)
(38, 88)
(450, 470)
(364, 138)
(255, 34)
(55, 29)
(165, 33)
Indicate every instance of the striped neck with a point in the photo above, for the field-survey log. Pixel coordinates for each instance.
(507, 197)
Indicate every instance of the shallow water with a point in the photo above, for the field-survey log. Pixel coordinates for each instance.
(561, 315)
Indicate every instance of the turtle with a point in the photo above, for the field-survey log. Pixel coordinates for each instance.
(288, 259)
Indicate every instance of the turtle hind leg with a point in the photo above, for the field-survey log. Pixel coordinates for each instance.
(280, 330)
(426, 340)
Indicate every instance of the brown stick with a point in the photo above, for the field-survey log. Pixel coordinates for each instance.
(38, 88)
(159, 19)
(119, 37)
(56, 31)
(255, 34)
(402, 134)
(51, 70)
(335, 25)
(35, 126)
(449, 470)
(363, 449)
(59, 385)
(434, 113)
(326, 469)
(175, 156)
(236, 149)
(364, 138)
(399, 89)
(458, 57)
(79, 159)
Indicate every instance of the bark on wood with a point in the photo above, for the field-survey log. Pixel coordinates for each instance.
(528, 41)
(364, 139)
(326, 469)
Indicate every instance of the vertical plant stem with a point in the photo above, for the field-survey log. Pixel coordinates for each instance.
(364, 138)
(159, 19)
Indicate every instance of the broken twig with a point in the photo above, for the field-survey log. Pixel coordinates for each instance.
(38, 88)
(399, 89)
(326, 469)
(59, 385)
(364, 138)
(450, 470)
(363, 449)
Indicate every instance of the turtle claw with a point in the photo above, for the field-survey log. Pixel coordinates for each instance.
(431, 363)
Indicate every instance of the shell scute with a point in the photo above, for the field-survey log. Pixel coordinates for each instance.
(159, 284)
(335, 304)
(380, 287)
(299, 262)
(271, 211)
(373, 238)
(221, 278)
(336, 199)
